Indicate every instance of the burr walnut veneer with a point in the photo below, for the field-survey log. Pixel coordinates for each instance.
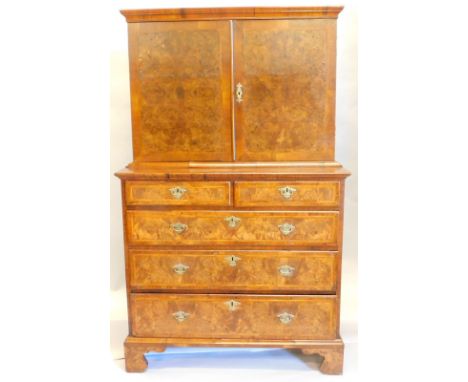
(233, 204)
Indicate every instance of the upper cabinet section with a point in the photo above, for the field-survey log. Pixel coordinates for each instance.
(285, 70)
(233, 84)
(180, 76)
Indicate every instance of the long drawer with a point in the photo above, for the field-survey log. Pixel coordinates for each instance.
(229, 271)
(305, 194)
(211, 228)
(233, 316)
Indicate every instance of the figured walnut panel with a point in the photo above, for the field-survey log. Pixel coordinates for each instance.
(252, 271)
(254, 317)
(181, 90)
(287, 70)
(195, 193)
(210, 228)
(306, 194)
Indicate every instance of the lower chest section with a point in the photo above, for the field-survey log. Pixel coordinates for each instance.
(234, 260)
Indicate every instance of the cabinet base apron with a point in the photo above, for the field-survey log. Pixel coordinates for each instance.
(330, 350)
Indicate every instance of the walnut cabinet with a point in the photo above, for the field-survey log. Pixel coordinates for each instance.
(233, 204)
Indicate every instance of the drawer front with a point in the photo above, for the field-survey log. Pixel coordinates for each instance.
(208, 228)
(234, 316)
(178, 193)
(324, 194)
(275, 272)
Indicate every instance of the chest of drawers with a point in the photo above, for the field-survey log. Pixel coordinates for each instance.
(233, 206)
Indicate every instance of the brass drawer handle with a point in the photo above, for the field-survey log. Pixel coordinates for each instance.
(232, 221)
(239, 93)
(286, 228)
(179, 227)
(286, 270)
(287, 192)
(232, 305)
(177, 192)
(180, 315)
(180, 269)
(285, 317)
(232, 260)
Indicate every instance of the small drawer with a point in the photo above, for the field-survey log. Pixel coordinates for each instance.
(178, 193)
(324, 194)
(313, 230)
(233, 316)
(229, 271)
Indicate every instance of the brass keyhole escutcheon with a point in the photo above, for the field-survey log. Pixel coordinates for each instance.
(287, 192)
(232, 260)
(285, 317)
(179, 227)
(286, 228)
(286, 270)
(239, 93)
(180, 269)
(180, 315)
(177, 192)
(232, 305)
(232, 221)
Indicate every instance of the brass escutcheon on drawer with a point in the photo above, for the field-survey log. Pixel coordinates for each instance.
(232, 305)
(177, 192)
(285, 317)
(180, 315)
(286, 228)
(286, 270)
(180, 269)
(239, 93)
(179, 227)
(232, 260)
(232, 221)
(287, 192)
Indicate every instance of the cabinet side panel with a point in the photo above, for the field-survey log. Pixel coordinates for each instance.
(181, 90)
(287, 72)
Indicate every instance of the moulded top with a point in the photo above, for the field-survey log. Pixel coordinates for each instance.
(181, 14)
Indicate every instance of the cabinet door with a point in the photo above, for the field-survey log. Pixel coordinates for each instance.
(285, 88)
(181, 90)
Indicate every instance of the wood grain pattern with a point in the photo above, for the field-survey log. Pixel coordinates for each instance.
(181, 90)
(251, 271)
(196, 193)
(325, 194)
(287, 69)
(209, 228)
(255, 316)
(146, 15)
